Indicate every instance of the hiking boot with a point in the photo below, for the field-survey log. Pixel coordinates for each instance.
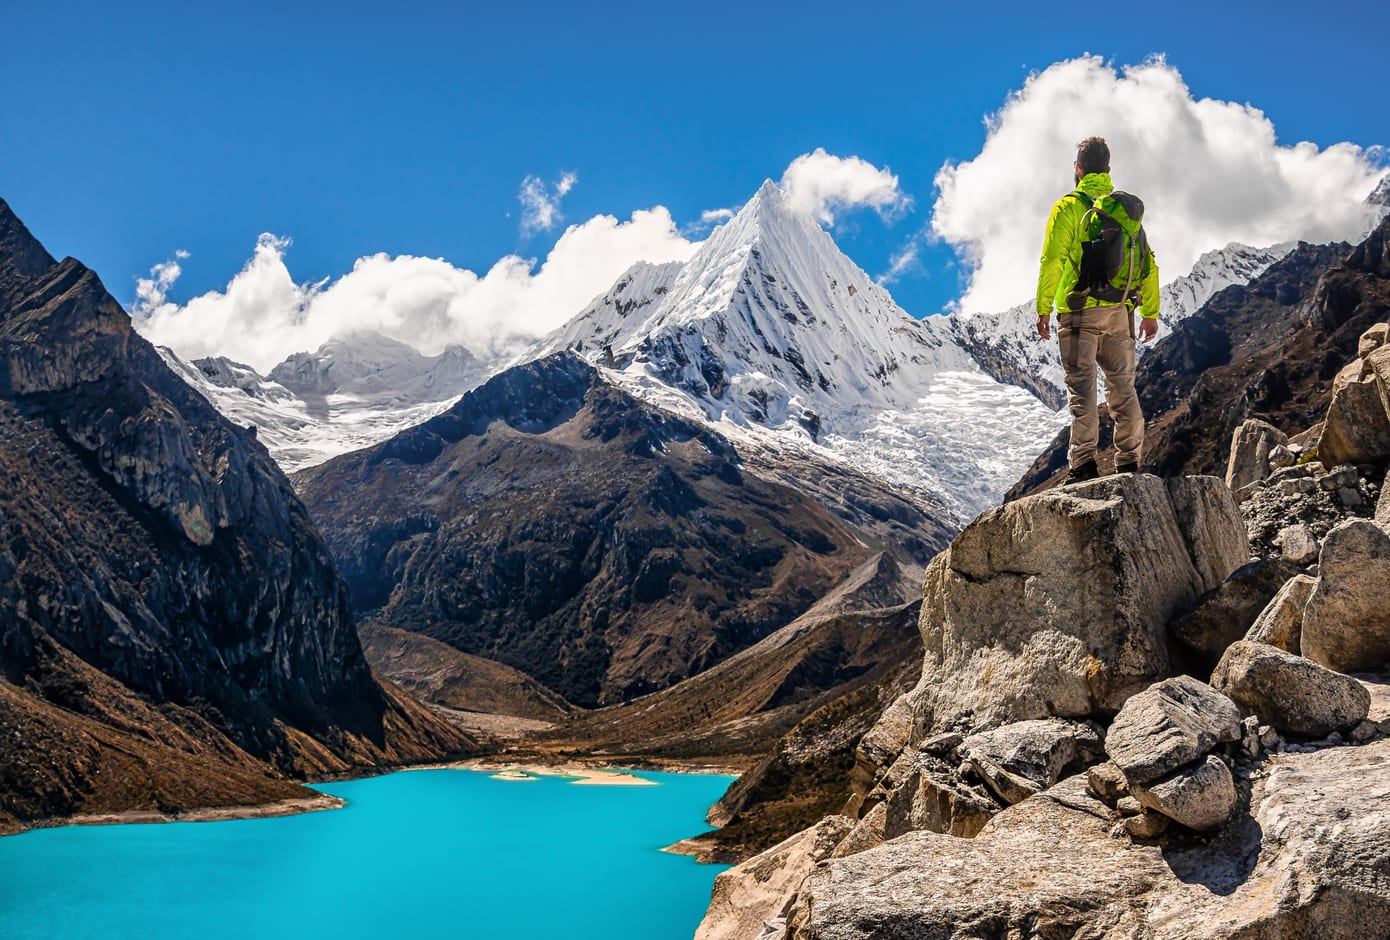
(1081, 473)
(1126, 466)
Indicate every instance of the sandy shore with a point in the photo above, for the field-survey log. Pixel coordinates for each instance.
(579, 774)
(308, 804)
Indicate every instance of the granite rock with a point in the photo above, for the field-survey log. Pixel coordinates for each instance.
(1291, 693)
(1200, 796)
(1057, 604)
(749, 895)
(1168, 726)
(1346, 623)
(1251, 445)
(1307, 861)
(1023, 758)
(1226, 613)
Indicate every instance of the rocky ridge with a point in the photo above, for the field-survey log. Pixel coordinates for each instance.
(1247, 800)
(168, 611)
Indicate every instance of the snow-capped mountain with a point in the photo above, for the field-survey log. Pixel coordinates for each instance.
(772, 333)
(769, 332)
(354, 391)
(1380, 196)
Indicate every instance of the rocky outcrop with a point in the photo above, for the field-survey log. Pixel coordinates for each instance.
(749, 901)
(1205, 822)
(144, 536)
(1022, 759)
(1294, 695)
(1251, 447)
(1172, 724)
(1294, 864)
(1357, 429)
(1346, 623)
(933, 795)
(1058, 604)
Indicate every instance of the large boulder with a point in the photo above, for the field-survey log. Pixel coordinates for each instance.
(1021, 759)
(1280, 624)
(1250, 448)
(1378, 364)
(1308, 861)
(1224, 614)
(748, 896)
(1057, 604)
(1357, 428)
(1293, 694)
(1372, 339)
(1200, 796)
(1346, 623)
(1174, 723)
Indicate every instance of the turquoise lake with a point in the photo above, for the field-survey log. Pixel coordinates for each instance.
(427, 853)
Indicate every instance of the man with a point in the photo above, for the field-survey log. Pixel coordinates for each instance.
(1093, 330)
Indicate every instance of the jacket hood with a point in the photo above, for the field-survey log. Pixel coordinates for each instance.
(1096, 184)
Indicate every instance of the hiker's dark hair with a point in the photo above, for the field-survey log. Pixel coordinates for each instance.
(1093, 155)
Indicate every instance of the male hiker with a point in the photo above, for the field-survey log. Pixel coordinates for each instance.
(1097, 268)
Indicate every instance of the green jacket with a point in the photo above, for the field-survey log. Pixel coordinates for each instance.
(1061, 254)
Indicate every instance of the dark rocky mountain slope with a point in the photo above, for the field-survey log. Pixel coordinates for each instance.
(166, 606)
(1267, 350)
(552, 522)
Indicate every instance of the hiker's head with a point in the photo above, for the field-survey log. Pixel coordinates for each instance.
(1092, 156)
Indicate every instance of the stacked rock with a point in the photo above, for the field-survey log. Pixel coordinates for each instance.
(1161, 745)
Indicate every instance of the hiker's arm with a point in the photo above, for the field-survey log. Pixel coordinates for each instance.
(1053, 254)
(1148, 301)
(1148, 290)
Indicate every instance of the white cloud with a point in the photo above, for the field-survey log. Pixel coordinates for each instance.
(821, 184)
(540, 204)
(707, 221)
(904, 260)
(263, 315)
(1210, 172)
(151, 291)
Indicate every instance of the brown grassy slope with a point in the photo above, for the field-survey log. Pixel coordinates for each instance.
(113, 752)
(742, 706)
(437, 673)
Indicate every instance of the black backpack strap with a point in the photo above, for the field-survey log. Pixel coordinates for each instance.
(1086, 200)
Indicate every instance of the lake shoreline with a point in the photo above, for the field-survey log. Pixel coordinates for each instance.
(584, 773)
(319, 802)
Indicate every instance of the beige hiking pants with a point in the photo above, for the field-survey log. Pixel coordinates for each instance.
(1100, 336)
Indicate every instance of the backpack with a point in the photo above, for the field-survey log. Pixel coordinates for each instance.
(1114, 249)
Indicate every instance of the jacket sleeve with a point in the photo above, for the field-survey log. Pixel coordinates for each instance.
(1148, 290)
(1054, 252)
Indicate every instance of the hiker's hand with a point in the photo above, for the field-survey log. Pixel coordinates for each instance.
(1045, 327)
(1148, 328)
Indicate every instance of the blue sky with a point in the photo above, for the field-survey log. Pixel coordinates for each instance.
(129, 131)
